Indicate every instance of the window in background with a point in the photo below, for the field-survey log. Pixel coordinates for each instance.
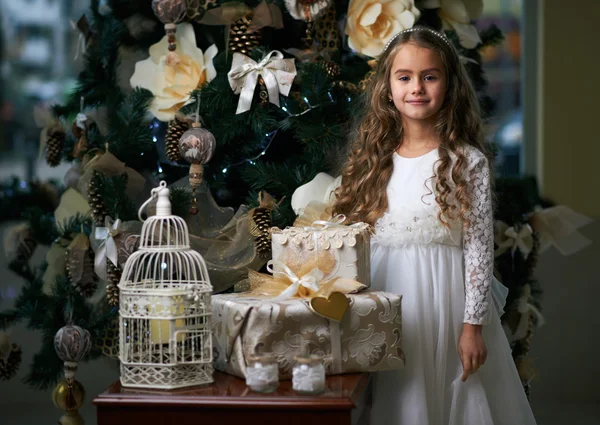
(502, 66)
(37, 49)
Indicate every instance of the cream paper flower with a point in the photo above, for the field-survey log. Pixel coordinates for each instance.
(171, 85)
(371, 23)
(457, 15)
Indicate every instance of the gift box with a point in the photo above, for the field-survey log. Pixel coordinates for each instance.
(367, 339)
(336, 250)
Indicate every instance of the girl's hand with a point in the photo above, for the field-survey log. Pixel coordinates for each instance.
(471, 350)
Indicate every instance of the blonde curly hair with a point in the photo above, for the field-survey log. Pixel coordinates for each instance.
(378, 134)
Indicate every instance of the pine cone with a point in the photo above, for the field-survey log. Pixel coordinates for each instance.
(242, 41)
(175, 130)
(331, 68)
(95, 199)
(54, 146)
(10, 366)
(87, 284)
(260, 223)
(24, 252)
(112, 290)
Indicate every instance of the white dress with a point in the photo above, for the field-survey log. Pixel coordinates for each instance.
(414, 255)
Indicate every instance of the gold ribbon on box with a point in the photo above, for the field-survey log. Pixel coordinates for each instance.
(277, 72)
(325, 298)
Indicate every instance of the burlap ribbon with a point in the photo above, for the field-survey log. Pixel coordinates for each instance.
(277, 72)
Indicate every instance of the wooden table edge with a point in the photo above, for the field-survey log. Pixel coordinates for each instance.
(245, 402)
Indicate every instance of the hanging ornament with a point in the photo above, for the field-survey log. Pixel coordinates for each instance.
(112, 288)
(80, 265)
(54, 145)
(170, 13)
(241, 38)
(332, 69)
(79, 130)
(177, 126)
(69, 396)
(307, 10)
(72, 344)
(10, 362)
(95, 199)
(197, 146)
(52, 137)
(326, 32)
(260, 222)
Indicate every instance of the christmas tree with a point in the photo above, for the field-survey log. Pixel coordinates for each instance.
(254, 97)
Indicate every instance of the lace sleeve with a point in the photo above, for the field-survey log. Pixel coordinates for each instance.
(478, 245)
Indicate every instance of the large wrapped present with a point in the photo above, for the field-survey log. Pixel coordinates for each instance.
(335, 249)
(368, 338)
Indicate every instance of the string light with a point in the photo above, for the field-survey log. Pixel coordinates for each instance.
(270, 136)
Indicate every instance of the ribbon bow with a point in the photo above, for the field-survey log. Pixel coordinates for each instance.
(277, 72)
(309, 280)
(508, 237)
(108, 247)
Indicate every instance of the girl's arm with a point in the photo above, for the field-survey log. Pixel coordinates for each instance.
(478, 244)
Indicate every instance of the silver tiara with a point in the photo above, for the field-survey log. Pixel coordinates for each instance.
(419, 28)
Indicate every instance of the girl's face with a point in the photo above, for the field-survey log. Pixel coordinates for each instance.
(418, 83)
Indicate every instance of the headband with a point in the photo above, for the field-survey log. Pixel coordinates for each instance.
(418, 28)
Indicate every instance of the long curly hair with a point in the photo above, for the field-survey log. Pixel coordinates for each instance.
(378, 133)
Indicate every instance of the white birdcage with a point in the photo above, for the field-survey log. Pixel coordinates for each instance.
(165, 306)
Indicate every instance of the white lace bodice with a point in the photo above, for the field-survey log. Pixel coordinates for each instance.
(412, 218)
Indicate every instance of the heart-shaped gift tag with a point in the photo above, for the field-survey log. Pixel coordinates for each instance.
(332, 307)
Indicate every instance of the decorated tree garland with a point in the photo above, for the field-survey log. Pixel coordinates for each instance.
(220, 61)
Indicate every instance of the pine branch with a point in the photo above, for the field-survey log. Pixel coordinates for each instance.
(130, 136)
(116, 201)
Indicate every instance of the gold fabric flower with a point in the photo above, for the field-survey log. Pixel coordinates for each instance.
(371, 23)
(172, 84)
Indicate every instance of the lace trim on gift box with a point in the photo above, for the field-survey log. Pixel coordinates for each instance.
(335, 238)
(415, 225)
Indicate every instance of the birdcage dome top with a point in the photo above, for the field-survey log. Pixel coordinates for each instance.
(164, 259)
(163, 230)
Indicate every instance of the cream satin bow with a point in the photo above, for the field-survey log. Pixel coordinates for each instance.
(108, 247)
(278, 74)
(309, 280)
(508, 237)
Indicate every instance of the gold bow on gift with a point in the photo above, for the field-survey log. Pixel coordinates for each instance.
(277, 72)
(325, 296)
(508, 237)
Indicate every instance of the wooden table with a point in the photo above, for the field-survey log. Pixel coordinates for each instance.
(228, 400)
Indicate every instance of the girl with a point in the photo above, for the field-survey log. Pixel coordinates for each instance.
(419, 172)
